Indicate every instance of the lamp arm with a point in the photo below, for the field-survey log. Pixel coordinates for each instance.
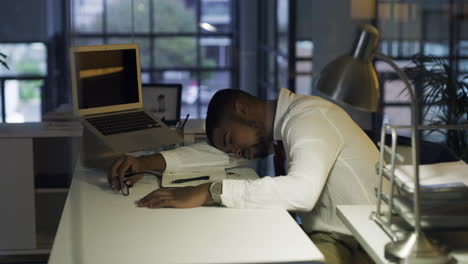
(414, 137)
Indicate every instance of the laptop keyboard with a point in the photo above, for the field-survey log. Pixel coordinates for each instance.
(121, 123)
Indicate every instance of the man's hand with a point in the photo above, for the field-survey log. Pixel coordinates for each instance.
(120, 167)
(128, 164)
(181, 197)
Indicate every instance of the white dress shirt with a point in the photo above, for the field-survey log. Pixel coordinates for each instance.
(330, 161)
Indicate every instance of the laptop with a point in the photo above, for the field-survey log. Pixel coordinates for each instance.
(107, 98)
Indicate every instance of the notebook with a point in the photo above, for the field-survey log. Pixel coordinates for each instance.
(107, 98)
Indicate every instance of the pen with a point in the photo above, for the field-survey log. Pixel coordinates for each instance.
(185, 121)
(191, 179)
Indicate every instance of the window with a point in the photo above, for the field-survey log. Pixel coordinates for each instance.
(407, 28)
(181, 41)
(21, 85)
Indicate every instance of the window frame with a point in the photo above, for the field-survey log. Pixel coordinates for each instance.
(199, 34)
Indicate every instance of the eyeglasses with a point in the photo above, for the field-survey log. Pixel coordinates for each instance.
(125, 188)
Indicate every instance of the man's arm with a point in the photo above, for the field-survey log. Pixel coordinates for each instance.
(182, 197)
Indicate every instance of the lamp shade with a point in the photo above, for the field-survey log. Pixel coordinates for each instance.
(351, 79)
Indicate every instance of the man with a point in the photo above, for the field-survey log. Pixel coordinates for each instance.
(330, 161)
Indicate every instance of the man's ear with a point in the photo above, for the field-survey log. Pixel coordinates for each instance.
(241, 108)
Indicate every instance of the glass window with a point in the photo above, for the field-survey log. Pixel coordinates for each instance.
(174, 43)
(174, 16)
(1, 108)
(24, 58)
(436, 49)
(23, 100)
(87, 41)
(303, 84)
(215, 52)
(118, 16)
(304, 48)
(87, 16)
(397, 115)
(215, 16)
(212, 81)
(175, 51)
(304, 66)
(141, 16)
(463, 48)
(395, 91)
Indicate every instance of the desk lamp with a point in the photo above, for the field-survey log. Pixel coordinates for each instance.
(352, 80)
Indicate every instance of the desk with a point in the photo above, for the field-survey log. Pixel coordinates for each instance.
(17, 196)
(372, 238)
(99, 225)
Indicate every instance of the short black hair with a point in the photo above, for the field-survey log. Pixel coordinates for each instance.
(220, 107)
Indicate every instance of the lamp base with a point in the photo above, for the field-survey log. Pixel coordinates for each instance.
(416, 248)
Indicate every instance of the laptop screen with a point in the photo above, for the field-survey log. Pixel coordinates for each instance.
(106, 78)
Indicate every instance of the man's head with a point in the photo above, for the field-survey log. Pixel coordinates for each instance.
(235, 123)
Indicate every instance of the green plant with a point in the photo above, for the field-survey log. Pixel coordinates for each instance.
(445, 97)
(2, 60)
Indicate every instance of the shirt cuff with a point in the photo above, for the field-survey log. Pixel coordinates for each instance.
(232, 194)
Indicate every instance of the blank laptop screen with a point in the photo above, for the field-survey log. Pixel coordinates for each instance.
(106, 78)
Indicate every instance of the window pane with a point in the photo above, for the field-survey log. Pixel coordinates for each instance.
(145, 77)
(304, 84)
(175, 52)
(304, 66)
(304, 48)
(87, 41)
(23, 101)
(87, 15)
(190, 89)
(398, 115)
(436, 49)
(216, 16)
(283, 72)
(212, 81)
(216, 52)
(174, 16)
(463, 66)
(119, 16)
(433, 114)
(394, 91)
(143, 43)
(142, 16)
(1, 109)
(381, 66)
(463, 46)
(282, 23)
(24, 59)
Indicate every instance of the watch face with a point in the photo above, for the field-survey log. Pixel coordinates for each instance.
(216, 188)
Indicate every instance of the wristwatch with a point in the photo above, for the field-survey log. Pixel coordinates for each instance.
(216, 190)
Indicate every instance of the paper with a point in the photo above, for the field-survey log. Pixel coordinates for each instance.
(446, 174)
(215, 175)
(212, 175)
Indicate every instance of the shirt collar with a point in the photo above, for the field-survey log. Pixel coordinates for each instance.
(284, 100)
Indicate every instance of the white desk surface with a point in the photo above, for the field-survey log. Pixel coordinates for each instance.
(37, 130)
(372, 238)
(101, 226)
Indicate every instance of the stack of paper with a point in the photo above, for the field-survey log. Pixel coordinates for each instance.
(438, 175)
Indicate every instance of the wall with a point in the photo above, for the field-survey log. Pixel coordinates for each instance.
(23, 20)
(329, 24)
